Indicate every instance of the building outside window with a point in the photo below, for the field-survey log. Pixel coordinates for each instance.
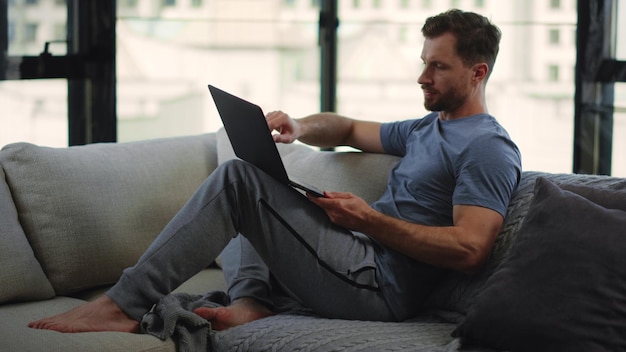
(619, 116)
(403, 33)
(553, 73)
(555, 4)
(11, 33)
(59, 31)
(30, 32)
(127, 4)
(554, 35)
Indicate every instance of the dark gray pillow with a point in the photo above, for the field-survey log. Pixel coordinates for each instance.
(606, 198)
(563, 285)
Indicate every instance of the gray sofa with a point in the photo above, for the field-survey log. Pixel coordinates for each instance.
(71, 219)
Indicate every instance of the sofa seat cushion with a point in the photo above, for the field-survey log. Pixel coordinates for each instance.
(562, 287)
(90, 211)
(21, 276)
(15, 335)
(287, 333)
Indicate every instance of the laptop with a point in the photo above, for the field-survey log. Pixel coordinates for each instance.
(251, 138)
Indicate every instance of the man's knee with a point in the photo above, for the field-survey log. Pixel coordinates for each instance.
(234, 164)
(241, 173)
(233, 168)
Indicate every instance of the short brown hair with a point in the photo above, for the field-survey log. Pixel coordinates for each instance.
(477, 38)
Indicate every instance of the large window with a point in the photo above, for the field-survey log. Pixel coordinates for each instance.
(264, 51)
(35, 110)
(619, 123)
(619, 132)
(531, 91)
(267, 51)
(620, 41)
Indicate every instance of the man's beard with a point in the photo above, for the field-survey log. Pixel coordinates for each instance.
(447, 102)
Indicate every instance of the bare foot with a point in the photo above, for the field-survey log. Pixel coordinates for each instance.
(102, 314)
(241, 311)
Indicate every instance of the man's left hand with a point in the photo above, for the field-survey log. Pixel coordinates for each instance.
(345, 209)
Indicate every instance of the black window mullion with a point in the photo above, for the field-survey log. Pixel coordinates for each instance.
(4, 37)
(594, 96)
(328, 23)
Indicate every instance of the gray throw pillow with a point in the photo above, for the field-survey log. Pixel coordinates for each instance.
(90, 211)
(563, 285)
(21, 276)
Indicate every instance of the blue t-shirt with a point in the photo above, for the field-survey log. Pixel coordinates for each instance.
(467, 161)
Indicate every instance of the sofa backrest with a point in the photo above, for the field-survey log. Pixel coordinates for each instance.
(363, 174)
(90, 211)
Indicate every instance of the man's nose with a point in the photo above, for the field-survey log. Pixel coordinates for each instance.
(423, 78)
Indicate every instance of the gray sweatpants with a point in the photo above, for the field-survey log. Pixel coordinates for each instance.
(327, 268)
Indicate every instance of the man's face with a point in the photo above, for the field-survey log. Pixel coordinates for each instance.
(445, 80)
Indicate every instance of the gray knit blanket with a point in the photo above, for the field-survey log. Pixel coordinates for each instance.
(173, 317)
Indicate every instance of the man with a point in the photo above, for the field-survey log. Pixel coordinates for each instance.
(443, 207)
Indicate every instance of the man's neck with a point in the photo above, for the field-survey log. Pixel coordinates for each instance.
(461, 113)
(474, 105)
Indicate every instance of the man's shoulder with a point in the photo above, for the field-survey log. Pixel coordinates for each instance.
(415, 123)
(486, 129)
(416, 120)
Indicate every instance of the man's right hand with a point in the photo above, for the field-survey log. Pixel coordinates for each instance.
(288, 129)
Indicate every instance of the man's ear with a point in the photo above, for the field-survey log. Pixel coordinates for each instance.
(481, 70)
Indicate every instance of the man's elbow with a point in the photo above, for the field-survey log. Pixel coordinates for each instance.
(473, 260)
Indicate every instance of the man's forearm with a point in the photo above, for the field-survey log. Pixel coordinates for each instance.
(463, 246)
(329, 130)
(325, 129)
(437, 246)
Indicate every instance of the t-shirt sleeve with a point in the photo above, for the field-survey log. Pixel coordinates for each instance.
(394, 136)
(489, 172)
